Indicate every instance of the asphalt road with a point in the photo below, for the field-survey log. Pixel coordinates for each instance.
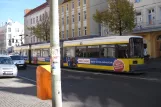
(107, 90)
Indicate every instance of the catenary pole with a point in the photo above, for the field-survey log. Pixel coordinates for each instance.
(55, 54)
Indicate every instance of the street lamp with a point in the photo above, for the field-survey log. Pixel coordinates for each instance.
(55, 54)
(21, 37)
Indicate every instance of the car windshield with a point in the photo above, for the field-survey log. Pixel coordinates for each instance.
(5, 60)
(17, 57)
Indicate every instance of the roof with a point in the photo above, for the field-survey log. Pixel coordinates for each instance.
(100, 40)
(37, 9)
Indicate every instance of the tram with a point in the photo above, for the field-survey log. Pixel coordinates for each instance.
(112, 53)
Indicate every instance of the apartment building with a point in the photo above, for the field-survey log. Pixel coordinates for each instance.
(10, 35)
(76, 18)
(31, 18)
(148, 24)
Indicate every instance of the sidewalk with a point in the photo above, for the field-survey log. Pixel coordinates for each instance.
(16, 92)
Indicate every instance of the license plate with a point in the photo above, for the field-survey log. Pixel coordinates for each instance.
(20, 65)
(7, 73)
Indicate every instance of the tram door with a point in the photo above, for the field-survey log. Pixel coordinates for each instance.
(61, 54)
(29, 54)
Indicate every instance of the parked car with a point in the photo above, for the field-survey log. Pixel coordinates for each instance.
(19, 61)
(7, 67)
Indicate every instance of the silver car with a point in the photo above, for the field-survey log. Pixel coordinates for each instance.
(7, 67)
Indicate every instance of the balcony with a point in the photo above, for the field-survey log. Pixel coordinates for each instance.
(147, 26)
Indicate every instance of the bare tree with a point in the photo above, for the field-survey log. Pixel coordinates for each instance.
(42, 28)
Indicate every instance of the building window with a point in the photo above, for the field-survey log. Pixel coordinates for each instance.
(9, 36)
(138, 17)
(33, 39)
(151, 16)
(12, 40)
(62, 34)
(31, 21)
(84, 1)
(85, 15)
(73, 18)
(37, 19)
(67, 20)
(67, 34)
(62, 21)
(160, 13)
(85, 30)
(78, 2)
(9, 29)
(78, 16)
(40, 18)
(67, 7)
(79, 32)
(17, 29)
(62, 9)
(43, 17)
(72, 32)
(137, 1)
(73, 5)
(9, 42)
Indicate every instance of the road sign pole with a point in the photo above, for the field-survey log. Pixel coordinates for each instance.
(55, 54)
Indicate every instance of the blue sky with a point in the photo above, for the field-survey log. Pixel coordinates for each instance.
(14, 9)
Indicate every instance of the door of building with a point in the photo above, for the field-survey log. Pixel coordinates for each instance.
(158, 46)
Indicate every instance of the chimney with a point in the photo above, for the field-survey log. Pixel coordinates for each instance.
(27, 11)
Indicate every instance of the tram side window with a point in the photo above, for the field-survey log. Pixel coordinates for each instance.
(81, 51)
(123, 51)
(69, 52)
(93, 51)
(32, 53)
(108, 51)
(45, 53)
(26, 53)
(38, 53)
(64, 52)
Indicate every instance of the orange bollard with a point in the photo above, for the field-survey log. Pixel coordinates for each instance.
(43, 80)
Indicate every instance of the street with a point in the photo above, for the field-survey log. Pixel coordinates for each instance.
(81, 89)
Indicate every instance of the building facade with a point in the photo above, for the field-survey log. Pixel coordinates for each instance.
(31, 18)
(76, 18)
(11, 34)
(148, 24)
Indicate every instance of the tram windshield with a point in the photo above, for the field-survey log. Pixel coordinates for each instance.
(136, 47)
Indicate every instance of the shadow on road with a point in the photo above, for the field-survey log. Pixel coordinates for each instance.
(17, 86)
(86, 91)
